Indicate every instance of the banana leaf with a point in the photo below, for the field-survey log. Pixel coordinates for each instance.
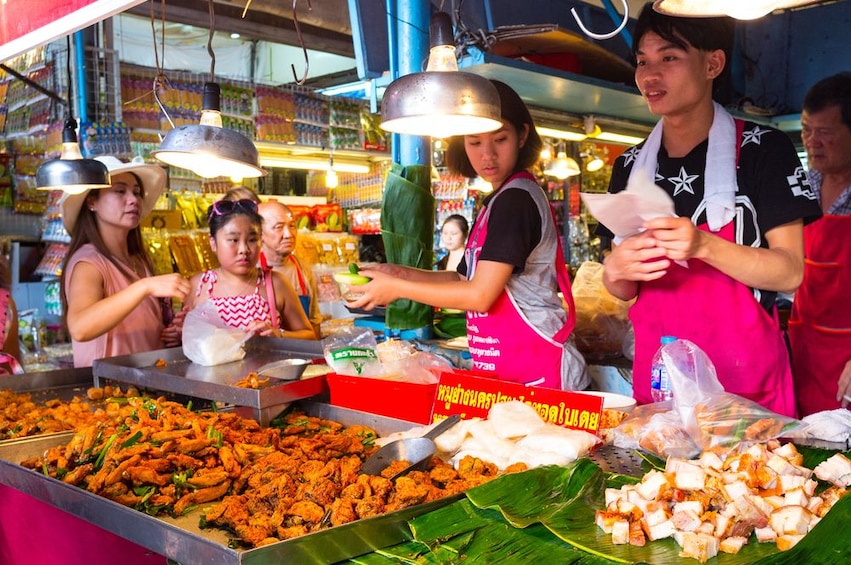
(407, 231)
(547, 514)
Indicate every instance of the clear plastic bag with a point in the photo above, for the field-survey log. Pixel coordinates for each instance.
(207, 340)
(353, 351)
(655, 428)
(715, 418)
(601, 319)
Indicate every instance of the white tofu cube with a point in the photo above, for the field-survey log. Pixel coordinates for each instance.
(765, 534)
(796, 497)
(790, 520)
(789, 482)
(690, 478)
(605, 520)
(694, 506)
(620, 532)
(652, 483)
(732, 544)
(656, 516)
(613, 495)
(710, 460)
(686, 520)
(722, 525)
(661, 530)
(735, 490)
(815, 504)
(788, 541)
(699, 546)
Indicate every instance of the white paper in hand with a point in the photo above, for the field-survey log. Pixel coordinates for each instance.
(625, 212)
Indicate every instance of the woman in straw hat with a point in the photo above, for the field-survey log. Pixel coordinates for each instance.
(112, 302)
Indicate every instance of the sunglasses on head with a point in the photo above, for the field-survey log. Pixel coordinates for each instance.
(225, 207)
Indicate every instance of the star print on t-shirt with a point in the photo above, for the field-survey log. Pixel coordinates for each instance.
(630, 154)
(682, 182)
(753, 136)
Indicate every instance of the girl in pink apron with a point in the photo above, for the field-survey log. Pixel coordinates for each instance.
(513, 268)
(246, 297)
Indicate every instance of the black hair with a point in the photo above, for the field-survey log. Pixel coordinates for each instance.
(703, 34)
(218, 216)
(462, 222)
(86, 231)
(513, 112)
(834, 90)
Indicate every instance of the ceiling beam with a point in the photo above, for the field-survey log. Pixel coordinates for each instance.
(262, 26)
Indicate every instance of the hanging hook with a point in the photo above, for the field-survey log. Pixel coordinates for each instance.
(303, 78)
(600, 36)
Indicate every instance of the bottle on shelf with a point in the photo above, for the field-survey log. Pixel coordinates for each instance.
(660, 385)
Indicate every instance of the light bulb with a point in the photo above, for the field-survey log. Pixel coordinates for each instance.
(331, 179)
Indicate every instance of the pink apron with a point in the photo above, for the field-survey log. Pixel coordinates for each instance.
(820, 323)
(749, 354)
(503, 341)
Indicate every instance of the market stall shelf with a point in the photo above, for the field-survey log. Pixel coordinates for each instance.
(182, 540)
(170, 370)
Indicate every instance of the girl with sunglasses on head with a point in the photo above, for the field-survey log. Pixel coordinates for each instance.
(246, 297)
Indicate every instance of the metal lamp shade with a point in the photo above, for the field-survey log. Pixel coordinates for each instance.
(210, 151)
(72, 175)
(440, 104)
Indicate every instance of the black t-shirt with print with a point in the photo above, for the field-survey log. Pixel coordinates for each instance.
(772, 186)
(514, 230)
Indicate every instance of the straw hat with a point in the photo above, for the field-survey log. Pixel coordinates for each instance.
(152, 177)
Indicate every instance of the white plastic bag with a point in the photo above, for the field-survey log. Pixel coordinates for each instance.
(207, 340)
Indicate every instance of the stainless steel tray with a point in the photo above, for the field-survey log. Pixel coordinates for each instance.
(182, 540)
(216, 383)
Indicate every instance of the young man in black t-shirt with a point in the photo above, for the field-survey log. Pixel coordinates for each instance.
(741, 197)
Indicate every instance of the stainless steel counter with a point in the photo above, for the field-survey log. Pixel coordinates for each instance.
(182, 540)
(217, 383)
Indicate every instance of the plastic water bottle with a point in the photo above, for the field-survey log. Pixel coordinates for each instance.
(660, 386)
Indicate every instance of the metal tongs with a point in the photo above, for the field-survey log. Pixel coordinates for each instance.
(417, 451)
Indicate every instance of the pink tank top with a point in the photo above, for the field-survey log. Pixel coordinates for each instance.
(238, 311)
(139, 331)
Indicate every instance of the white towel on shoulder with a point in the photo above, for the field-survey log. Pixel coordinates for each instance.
(720, 186)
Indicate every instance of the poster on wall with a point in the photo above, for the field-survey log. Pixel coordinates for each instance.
(25, 24)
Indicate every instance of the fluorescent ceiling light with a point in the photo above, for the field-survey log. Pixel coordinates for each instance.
(560, 134)
(619, 138)
(313, 164)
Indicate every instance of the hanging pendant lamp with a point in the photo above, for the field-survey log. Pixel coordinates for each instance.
(208, 149)
(442, 101)
(739, 9)
(70, 172)
(562, 166)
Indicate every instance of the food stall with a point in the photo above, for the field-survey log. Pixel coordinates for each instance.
(560, 503)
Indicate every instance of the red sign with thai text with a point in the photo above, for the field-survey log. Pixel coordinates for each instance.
(472, 397)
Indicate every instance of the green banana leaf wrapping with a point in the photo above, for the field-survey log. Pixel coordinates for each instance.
(546, 515)
(407, 230)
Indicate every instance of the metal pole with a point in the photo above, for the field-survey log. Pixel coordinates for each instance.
(412, 53)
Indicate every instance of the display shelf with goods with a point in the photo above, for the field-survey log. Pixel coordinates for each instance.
(453, 196)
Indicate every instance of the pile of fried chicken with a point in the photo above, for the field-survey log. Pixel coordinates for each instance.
(268, 483)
